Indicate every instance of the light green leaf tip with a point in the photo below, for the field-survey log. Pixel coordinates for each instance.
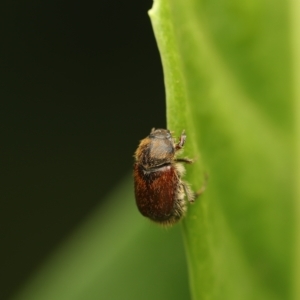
(114, 254)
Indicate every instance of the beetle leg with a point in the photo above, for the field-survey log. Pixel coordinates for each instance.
(192, 196)
(185, 160)
(181, 142)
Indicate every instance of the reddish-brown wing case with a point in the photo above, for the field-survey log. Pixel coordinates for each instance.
(156, 191)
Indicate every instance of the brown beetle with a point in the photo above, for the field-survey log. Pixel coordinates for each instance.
(159, 191)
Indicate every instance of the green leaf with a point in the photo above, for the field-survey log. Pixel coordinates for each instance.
(229, 84)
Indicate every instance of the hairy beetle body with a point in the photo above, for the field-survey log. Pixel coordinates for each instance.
(159, 190)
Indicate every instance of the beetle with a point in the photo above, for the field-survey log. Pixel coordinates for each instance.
(159, 190)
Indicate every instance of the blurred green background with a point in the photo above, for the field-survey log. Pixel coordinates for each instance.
(78, 79)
